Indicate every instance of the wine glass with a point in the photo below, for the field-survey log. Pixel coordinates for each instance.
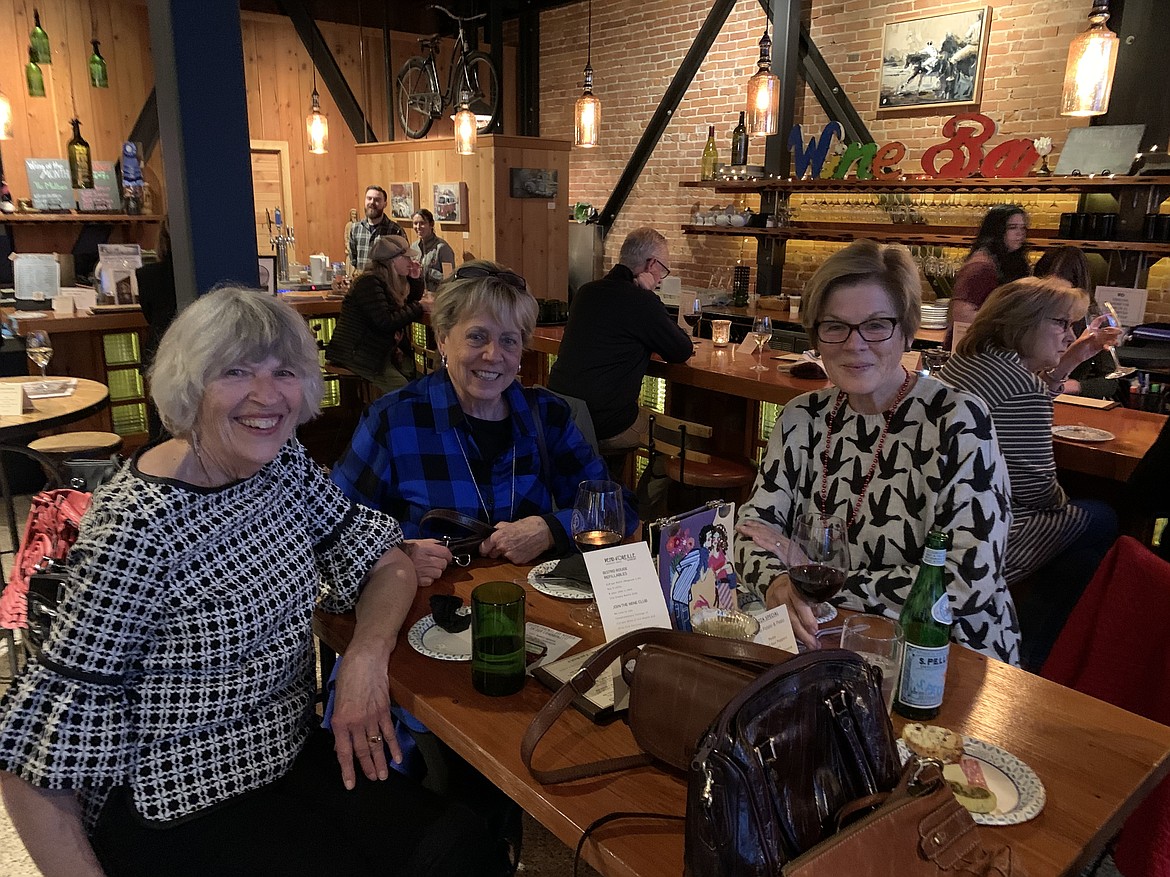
(762, 332)
(1114, 322)
(39, 349)
(694, 316)
(818, 560)
(598, 521)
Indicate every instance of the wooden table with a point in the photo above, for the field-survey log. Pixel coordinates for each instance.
(1134, 432)
(1096, 761)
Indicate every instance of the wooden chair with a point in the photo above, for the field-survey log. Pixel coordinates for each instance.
(366, 391)
(690, 463)
(425, 359)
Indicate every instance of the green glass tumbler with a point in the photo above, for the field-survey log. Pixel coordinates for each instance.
(497, 638)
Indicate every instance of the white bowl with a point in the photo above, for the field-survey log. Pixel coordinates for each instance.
(722, 219)
(737, 221)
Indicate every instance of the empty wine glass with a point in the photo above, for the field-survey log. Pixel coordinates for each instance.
(39, 349)
(818, 560)
(762, 332)
(1114, 322)
(598, 521)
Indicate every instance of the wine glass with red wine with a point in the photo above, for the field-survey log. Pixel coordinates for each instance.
(694, 316)
(598, 521)
(818, 560)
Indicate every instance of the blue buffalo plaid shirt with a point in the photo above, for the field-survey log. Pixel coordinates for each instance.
(405, 459)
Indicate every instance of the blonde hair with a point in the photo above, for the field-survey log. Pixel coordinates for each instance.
(459, 298)
(1013, 312)
(890, 266)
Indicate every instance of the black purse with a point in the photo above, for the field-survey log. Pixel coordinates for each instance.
(461, 533)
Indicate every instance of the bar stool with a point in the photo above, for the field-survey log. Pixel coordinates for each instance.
(73, 445)
(689, 463)
(366, 391)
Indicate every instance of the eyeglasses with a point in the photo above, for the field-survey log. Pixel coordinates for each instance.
(1064, 324)
(836, 332)
(665, 270)
(511, 278)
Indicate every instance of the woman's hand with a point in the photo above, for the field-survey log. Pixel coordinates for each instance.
(415, 269)
(361, 718)
(428, 302)
(430, 558)
(1097, 336)
(767, 536)
(519, 541)
(800, 611)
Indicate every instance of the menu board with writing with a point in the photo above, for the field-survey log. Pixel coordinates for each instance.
(104, 196)
(49, 183)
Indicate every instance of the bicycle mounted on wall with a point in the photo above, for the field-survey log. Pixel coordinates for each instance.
(472, 78)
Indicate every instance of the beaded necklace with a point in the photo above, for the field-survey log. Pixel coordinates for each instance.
(489, 512)
(886, 415)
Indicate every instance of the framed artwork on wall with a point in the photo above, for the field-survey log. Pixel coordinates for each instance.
(403, 200)
(268, 273)
(451, 203)
(934, 62)
(530, 182)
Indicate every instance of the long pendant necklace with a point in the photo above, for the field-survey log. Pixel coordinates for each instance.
(489, 513)
(886, 415)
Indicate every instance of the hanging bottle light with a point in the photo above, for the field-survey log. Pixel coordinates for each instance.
(39, 40)
(5, 117)
(465, 125)
(99, 76)
(317, 124)
(587, 111)
(33, 75)
(763, 93)
(1092, 58)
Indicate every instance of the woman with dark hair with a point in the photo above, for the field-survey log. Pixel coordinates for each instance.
(372, 338)
(1088, 378)
(999, 255)
(431, 251)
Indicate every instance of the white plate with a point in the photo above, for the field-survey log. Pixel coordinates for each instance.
(429, 639)
(1078, 433)
(556, 589)
(1019, 794)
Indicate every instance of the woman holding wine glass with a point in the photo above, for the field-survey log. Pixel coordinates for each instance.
(889, 453)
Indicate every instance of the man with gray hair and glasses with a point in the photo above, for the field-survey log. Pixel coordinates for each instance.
(615, 325)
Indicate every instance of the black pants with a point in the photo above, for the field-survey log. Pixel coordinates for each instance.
(305, 823)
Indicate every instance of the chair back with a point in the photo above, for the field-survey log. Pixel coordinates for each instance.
(582, 418)
(675, 437)
(425, 359)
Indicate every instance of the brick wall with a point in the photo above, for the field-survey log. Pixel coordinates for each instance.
(637, 48)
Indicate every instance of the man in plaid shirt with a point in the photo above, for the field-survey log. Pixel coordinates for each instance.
(375, 225)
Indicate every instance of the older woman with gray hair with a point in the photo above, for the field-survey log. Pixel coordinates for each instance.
(168, 726)
(891, 453)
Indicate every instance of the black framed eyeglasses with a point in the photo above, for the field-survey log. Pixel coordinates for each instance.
(1064, 324)
(873, 330)
(665, 270)
(511, 278)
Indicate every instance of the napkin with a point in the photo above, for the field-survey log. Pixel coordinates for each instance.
(445, 609)
(571, 567)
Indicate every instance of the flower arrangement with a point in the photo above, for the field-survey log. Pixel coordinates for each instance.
(1043, 147)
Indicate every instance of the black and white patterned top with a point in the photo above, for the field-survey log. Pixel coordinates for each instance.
(940, 467)
(1043, 522)
(181, 665)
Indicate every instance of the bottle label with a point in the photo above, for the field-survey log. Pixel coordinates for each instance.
(924, 676)
(934, 556)
(941, 611)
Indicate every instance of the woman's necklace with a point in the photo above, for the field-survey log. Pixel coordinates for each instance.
(489, 512)
(886, 415)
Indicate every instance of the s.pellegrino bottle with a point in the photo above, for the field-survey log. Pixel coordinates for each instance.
(710, 155)
(739, 143)
(926, 624)
(80, 162)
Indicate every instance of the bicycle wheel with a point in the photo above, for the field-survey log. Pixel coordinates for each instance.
(484, 84)
(418, 98)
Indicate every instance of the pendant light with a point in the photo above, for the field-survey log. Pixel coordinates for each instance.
(763, 93)
(316, 123)
(33, 76)
(39, 40)
(99, 76)
(587, 112)
(465, 126)
(5, 117)
(1092, 58)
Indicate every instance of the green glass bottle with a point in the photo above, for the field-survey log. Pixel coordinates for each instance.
(739, 143)
(39, 40)
(33, 75)
(926, 623)
(80, 162)
(99, 76)
(710, 155)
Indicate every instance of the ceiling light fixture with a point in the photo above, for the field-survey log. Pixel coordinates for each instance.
(587, 112)
(1092, 58)
(763, 93)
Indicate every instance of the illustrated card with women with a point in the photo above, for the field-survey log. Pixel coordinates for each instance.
(694, 561)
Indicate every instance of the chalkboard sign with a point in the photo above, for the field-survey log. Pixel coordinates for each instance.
(104, 194)
(49, 183)
(1100, 148)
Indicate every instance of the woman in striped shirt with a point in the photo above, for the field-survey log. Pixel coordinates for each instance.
(1016, 356)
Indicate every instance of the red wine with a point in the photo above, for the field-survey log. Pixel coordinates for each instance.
(816, 581)
(692, 319)
(590, 540)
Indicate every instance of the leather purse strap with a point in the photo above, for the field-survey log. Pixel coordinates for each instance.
(585, 678)
(477, 529)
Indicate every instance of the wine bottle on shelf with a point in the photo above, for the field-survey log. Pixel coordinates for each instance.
(926, 624)
(739, 142)
(710, 155)
(80, 161)
(33, 75)
(99, 76)
(39, 41)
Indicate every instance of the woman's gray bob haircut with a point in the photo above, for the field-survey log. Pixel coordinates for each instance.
(228, 325)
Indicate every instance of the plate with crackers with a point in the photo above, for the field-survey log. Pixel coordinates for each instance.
(991, 783)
